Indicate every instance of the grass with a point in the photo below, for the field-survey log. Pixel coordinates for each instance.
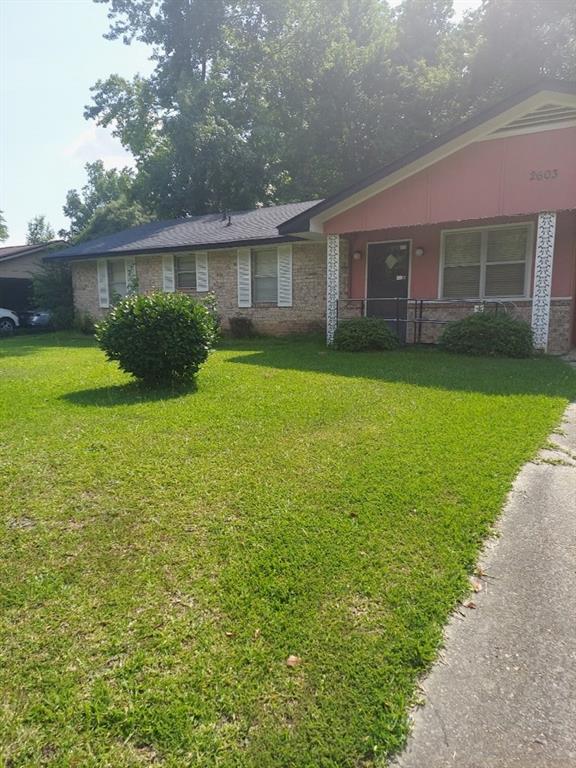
(164, 553)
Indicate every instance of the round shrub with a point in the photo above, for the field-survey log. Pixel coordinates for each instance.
(158, 338)
(490, 334)
(363, 334)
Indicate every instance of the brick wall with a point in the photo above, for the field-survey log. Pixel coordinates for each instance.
(85, 286)
(560, 333)
(307, 313)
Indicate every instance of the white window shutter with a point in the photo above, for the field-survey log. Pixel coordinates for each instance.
(130, 263)
(103, 292)
(244, 277)
(168, 280)
(285, 275)
(202, 271)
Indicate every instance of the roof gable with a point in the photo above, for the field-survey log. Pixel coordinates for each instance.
(558, 96)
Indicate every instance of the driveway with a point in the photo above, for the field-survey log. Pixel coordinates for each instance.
(503, 694)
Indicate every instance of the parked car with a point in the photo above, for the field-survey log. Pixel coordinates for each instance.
(37, 318)
(8, 321)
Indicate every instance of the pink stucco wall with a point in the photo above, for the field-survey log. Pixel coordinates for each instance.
(424, 270)
(484, 180)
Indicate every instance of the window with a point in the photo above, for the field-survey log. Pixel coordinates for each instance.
(265, 276)
(485, 263)
(117, 286)
(185, 268)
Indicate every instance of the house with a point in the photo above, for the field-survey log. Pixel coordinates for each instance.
(484, 215)
(18, 263)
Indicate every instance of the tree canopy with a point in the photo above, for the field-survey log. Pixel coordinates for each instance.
(3, 228)
(39, 231)
(104, 205)
(267, 101)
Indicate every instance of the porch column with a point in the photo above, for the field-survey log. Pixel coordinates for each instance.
(543, 279)
(332, 285)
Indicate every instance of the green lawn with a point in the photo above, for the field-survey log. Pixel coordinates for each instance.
(163, 554)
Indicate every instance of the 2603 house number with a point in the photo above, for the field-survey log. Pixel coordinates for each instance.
(547, 175)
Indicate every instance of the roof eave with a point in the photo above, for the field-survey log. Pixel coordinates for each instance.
(178, 248)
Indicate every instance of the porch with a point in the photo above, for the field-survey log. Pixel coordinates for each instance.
(420, 278)
(422, 320)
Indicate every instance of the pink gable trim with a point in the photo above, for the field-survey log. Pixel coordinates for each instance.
(484, 180)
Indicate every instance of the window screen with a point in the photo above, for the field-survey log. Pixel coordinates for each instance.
(117, 287)
(265, 276)
(185, 268)
(486, 262)
(462, 259)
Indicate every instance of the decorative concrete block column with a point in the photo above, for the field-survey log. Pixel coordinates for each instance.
(332, 285)
(543, 278)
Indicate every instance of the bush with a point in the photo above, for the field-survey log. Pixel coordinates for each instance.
(52, 290)
(242, 328)
(487, 333)
(83, 323)
(364, 334)
(159, 338)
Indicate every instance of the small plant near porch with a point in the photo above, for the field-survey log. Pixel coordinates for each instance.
(364, 334)
(488, 334)
(159, 338)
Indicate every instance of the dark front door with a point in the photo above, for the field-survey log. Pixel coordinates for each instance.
(387, 283)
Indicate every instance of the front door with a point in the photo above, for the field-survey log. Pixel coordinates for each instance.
(387, 283)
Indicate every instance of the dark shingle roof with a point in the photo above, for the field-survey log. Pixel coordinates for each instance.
(12, 251)
(207, 231)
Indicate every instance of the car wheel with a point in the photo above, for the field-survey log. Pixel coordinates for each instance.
(7, 326)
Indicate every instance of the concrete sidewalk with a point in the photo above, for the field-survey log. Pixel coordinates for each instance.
(503, 694)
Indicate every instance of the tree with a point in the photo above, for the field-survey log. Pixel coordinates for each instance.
(3, 228)
(250, 101)
(104, 188)
(265, 101)
(513, 50)
(188, 126)
(39, 231)
(113, 217)
(52, 290)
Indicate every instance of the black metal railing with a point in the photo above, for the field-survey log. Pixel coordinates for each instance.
(409, 318)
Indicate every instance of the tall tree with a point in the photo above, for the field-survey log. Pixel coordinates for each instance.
(104, 205)
(263, 101)
(514, 47)
(39, 231)
(3, 228)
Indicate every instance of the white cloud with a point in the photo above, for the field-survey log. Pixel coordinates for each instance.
(96, 143)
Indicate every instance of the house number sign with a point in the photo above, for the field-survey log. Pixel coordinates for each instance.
(546, 175)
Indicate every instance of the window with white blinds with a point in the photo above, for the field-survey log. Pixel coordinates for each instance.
(117, 283)
(185, 269)
(486, 263)
(265, 276)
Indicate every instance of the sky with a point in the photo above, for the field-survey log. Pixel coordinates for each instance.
(51, 53)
